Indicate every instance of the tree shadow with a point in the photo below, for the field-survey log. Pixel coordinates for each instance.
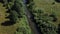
(1, 1)
(8, 23)
(58, 1)
(58, 29)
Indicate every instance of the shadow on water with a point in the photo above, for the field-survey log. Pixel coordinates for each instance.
(2, 1)
(28, 1)
(9, 0)
(32, 18)
(36, 24)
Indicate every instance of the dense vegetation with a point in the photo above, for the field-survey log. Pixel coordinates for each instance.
(43, 20)
(13, 15)
(23, 27)
(16, 16)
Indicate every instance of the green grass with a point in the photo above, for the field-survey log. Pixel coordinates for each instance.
(2, 13)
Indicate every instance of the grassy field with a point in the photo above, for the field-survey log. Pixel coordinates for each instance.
(21, 22)
(2, 13)
(48, 7)
(5, 29)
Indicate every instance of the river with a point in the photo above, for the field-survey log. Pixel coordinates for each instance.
(29, 15)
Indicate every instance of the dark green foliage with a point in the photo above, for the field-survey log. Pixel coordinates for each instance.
(16, 7)
(30, 5)
(13, 10)
(58, 29)
(14, 15)
(22, 30)
(54, 17)
(13, 19)
(45, 22)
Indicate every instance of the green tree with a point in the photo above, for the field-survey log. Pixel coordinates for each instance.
(14, 15)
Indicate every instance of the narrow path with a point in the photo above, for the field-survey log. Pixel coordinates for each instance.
(28, 15)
